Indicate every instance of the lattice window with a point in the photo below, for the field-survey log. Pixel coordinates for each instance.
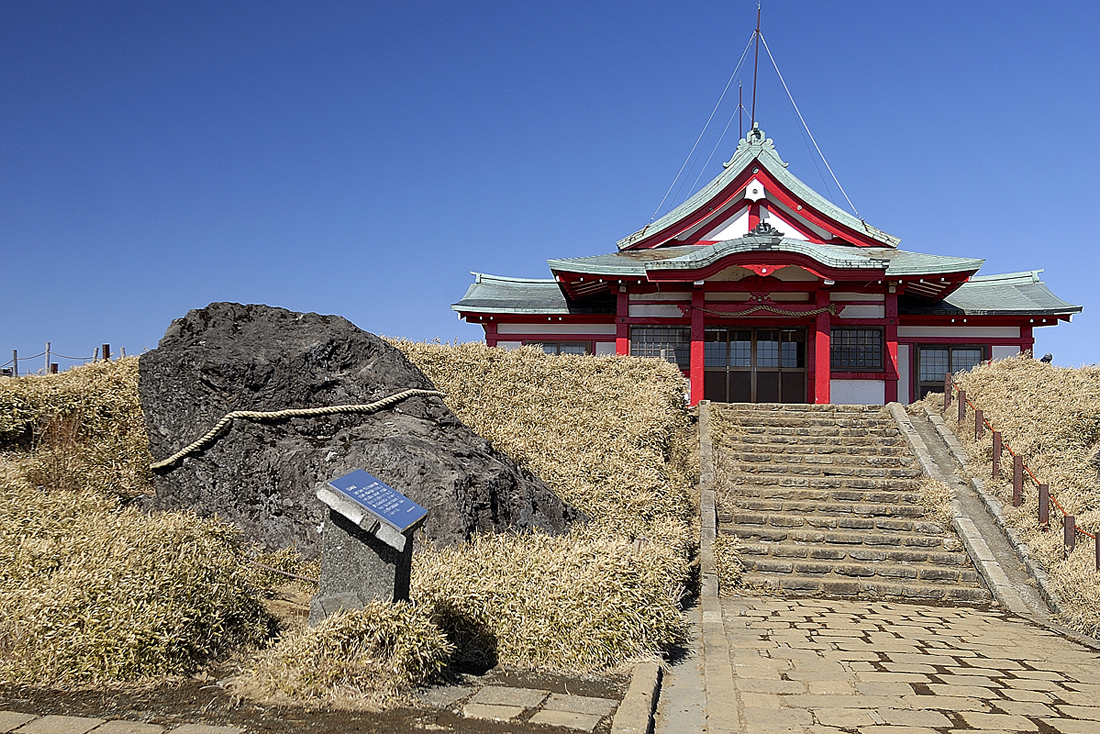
(856, 350)
(672, 343)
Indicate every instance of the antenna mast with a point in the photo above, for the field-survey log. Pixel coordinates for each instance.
(755, 61)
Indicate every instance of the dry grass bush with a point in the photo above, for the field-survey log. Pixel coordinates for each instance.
(936, 497)
(611, 436)
(1051, 417)
(84, 428)
(366, 658)
(727, 562)
(92, 590)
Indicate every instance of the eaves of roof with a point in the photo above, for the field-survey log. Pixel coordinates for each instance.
(756, 146)
(496, 294)
(1004, 294)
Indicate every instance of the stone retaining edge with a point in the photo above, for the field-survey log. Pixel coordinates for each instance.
(995, 509)
(635, 713)
(984, 561)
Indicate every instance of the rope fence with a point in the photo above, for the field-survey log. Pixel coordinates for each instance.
(50, 367)
(1019, 469)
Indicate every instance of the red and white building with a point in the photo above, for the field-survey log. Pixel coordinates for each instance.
(763, 291)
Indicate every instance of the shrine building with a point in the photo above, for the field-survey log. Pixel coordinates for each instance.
(762, 291)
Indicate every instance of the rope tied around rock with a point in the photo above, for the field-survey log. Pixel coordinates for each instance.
(272, 415)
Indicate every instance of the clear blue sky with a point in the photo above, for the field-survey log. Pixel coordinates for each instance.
(361, 158)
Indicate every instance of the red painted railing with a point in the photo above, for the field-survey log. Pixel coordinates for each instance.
(1069, 522)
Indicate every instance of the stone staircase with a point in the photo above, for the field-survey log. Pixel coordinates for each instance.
(824, 501)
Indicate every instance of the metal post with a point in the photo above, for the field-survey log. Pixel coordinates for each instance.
(95, 355)
(46, 371)
(946, 391)
(1044, 506)
(1017, 481)
(15, 363)
(106, 352)
(1070, 527)
(979, 424)
(996, 454)
(962, 407)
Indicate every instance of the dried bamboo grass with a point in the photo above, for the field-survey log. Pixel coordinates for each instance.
(611, 436)
(92, 590)
(367, 658)
(1051, 417)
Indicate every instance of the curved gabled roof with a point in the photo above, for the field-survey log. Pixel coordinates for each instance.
(756, 147)
(1006, 294)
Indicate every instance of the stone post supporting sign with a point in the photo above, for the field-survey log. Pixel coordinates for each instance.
(366, 551)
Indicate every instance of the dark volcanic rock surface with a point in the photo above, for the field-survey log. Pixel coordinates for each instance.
(263, 475)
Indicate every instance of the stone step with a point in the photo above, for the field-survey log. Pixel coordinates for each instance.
(732, 499)
(841, 521)
(793, 408)
(780, 507)
(833, 482)
(853, 554)
(809, 419)
(830, 431)
(818, 458)
(868, 589)
(748, 470)
(820, 446)
(842, 536)
(927, 573)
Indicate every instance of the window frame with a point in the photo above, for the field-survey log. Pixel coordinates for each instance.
(834, 347)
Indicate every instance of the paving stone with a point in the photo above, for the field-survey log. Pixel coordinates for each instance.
(908, 717)
(1007, 722)
(1071, 726)
(10, 720)
(832, 687)
(493, 712)
(846, 718)
(580, 704)
(567, 719)
(965, 691)
(947, 703)
(206, 729)
(775, 720)
(60, 725)
(442, 697)
(757, 685)
(888, 729)
(120, 726)
(1025, 708)
(508, 696)
(1082, 712)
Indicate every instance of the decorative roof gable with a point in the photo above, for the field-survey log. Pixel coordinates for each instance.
(756, 187)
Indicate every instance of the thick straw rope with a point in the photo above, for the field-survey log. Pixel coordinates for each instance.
(259, 415)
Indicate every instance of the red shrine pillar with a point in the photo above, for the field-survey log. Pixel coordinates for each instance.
(622, 329)
(698, 333)
(822, 326)
(891, 385)
(490, 334)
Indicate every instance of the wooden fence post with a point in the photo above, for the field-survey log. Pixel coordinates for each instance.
(946, 391)
(1070, 528)
(106, 352)
(1017, 480)
(979, 424)
(962, 407)
(1044, 505)
(95, 355)
(996, 454)
(53, 368)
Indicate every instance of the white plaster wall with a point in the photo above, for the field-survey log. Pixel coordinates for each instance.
(781, 223)
(727, 296)
(1005, 352)
(672, 312)
(862, 311)
(736, 227)
(605, 348)
(563, 329)
(904, 374)
(509, 346)
(857, 392)
(930, 332)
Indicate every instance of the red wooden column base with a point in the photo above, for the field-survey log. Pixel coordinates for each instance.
(892, 366)
(698, 333)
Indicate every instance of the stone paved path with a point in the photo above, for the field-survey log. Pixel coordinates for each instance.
(815, 666)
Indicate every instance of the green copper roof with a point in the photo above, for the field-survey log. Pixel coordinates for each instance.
(756, 146)
(992, 295)
(495, 294)
(636, 263)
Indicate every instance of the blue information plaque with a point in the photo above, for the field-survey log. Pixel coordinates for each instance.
(380, 499)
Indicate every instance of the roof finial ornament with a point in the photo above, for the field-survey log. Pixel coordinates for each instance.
(763, 229)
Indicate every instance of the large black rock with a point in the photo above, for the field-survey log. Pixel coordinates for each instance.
(263, 475)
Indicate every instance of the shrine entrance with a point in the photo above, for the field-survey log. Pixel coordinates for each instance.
(755, 365)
